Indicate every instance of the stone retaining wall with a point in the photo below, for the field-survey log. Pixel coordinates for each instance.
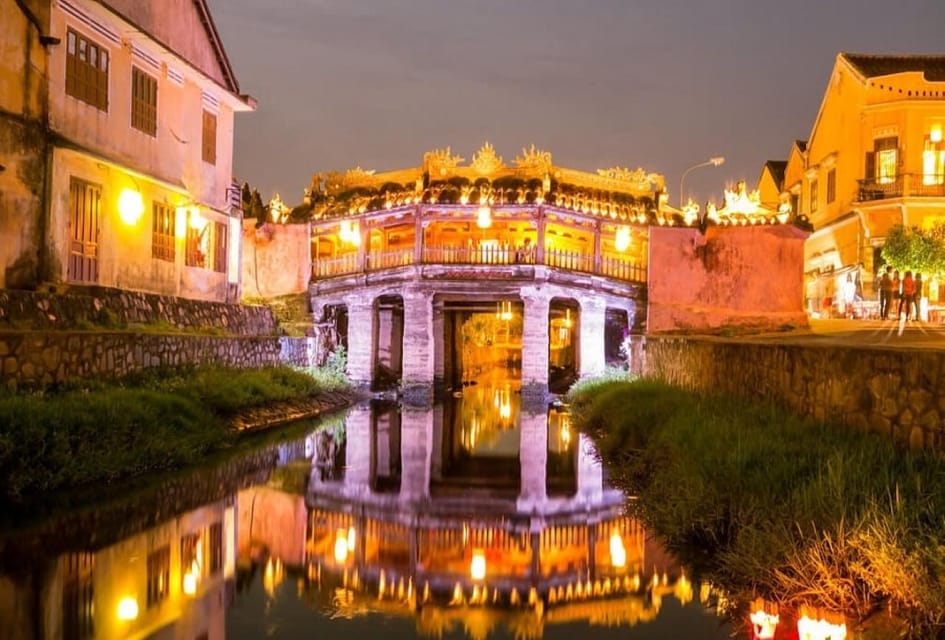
(37, 359)
(104, 308)
(298, 352)
(897, 393)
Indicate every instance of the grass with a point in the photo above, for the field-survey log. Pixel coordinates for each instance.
(95, 432)
(793, 510)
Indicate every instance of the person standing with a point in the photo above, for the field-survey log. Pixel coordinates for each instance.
(885, 293)
(907, 294)
(917, 296)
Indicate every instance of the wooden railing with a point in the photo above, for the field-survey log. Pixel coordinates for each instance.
(610, 266)
(903, 185)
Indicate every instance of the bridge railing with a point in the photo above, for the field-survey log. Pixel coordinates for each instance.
(614, 267)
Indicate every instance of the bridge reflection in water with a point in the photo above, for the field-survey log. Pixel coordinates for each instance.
(480, 517)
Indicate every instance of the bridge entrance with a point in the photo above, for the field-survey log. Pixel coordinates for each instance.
(482, 344)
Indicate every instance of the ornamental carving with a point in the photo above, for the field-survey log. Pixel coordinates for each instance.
(638, 178)
(356, 175)
(486, 162)
(533, 159)
(440, 162)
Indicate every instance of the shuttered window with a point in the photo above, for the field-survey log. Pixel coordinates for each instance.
(162, 233)
(209, 137)
(143, 102)
(86, 70)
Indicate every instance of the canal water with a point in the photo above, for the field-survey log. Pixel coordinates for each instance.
(475, 518)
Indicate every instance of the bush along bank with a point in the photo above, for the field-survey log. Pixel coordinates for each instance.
(776, 506)
(99, 432)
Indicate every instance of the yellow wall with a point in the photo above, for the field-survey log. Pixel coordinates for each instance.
(856, 111)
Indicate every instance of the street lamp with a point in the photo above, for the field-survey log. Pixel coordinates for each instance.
(714, 161)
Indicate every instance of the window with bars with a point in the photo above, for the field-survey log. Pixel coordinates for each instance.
(159, 575)
(216, 547)
(162, 233)
(219, 247)
(78, 597)
(882, 163)
(190, 555)
(933, 159)
(143, 102)
(209, 137)
(195, 245)
(831, 185)
(814, 195)
(86, 70)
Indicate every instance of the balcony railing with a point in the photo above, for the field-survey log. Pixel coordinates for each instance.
(609, 266)
(902, 186)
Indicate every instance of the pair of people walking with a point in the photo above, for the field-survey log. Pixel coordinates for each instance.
(904, 293)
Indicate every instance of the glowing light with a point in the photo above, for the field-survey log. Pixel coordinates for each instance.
(350, 232)
(764, 621)
(190, 583)
(351, 539)
(130, 206)
(503, 310)
(618, 554)
(622, 239)
(484, 217)
(935, 134)
(127, 608)
(341, 545)
(197, 221)
(818, 625)
(477, 568)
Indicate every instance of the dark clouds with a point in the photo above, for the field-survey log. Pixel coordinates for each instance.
(661, 84)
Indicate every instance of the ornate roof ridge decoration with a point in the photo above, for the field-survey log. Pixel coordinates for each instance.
(486, 161)
(534, 160)
(441, 162)
(636, 178)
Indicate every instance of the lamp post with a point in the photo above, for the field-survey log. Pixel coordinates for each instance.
(714, 161)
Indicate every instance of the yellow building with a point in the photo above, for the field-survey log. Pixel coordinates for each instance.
(875, 159)
(116, 140)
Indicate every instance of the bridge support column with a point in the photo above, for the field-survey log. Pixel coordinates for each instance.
(535, 342)
(360, 339)
(416, 446)
(533, 454)
(593, 320)
(418, 345)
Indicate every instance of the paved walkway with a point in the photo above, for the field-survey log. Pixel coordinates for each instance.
(864, 333)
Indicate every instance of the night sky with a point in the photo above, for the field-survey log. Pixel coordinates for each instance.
(658, 84)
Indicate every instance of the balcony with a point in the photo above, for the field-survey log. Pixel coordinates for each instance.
(615, 267)
(906, 185)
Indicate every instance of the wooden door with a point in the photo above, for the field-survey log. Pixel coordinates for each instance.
(85, 201)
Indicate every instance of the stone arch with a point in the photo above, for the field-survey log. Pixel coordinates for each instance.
(564, 330)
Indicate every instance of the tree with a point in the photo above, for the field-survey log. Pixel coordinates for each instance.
(914, 249)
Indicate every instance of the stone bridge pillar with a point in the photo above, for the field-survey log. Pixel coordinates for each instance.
(416, 446)
(360, 339)
(535, 341)
(418, 342)
(593, 319)
(533, 456)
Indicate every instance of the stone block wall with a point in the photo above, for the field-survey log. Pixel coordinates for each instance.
(897, 393)
(104, 308)
(31, 360)
(298, 352)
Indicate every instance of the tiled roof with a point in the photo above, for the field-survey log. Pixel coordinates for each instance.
(776, 169)
(871, 66)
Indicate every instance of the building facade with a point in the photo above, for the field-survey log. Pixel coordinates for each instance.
(117, 141)
(875, 159)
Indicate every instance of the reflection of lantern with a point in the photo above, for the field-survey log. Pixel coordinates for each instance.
(190, 583)
(342, 545)
(618, 555)
(477, 568)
